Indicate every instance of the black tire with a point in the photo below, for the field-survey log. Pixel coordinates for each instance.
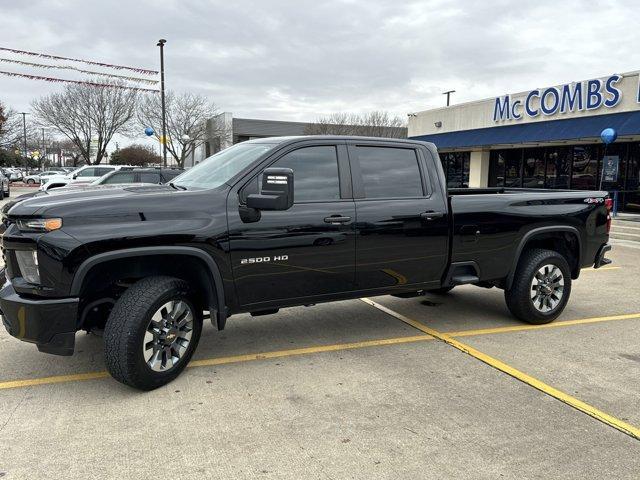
(124, 334)
(518, 297)
(440, 291)
(8, 193)
(31, 181)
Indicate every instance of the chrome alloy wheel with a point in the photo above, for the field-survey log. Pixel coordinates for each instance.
(168, 335)
(547, 288)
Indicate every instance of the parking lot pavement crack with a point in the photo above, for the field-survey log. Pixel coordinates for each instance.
(24, 395)
(577, 404)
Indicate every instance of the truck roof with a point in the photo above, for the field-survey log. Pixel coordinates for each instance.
(292, 139)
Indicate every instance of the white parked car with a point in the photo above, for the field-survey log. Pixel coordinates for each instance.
(15, 175)
(40, 177)
(81, 176)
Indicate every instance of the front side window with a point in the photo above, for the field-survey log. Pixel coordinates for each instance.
(87, 172)
(390, 172)
(315, 173)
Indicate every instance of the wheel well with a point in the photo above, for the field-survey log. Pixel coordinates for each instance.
(106, 281)
(565, 243)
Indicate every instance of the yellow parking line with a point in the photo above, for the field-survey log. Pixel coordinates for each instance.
(520, 328)
(78, 377)
(591, 269)
(515, 373)
(30, 382)
(306, 351)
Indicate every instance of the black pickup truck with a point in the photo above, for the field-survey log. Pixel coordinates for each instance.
(273, 223)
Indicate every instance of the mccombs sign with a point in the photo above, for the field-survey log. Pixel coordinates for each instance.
(572, 97)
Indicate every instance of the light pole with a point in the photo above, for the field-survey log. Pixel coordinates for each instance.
(44, 148)
(160, 44)
(185, 140)
(24, 137)
(448, 94)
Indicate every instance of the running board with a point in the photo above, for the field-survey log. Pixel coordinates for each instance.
(464, 279)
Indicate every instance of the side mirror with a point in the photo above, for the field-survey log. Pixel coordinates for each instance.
(75, 175)
(277, 190)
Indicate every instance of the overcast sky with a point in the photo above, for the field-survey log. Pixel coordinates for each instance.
(297, 59)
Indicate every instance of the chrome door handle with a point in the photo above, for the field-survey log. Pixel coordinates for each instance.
(337, 219)
(431, 215)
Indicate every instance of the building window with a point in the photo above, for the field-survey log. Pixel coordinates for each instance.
(496, 168)
(584, 171)
(505, 168)
(533, 168)
(456, 168)
(559, 166)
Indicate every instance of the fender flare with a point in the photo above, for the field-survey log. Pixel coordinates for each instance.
(532, 233)
(216, 289)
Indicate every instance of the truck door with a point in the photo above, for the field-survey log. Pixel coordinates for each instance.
(402, 228)
(307, 250)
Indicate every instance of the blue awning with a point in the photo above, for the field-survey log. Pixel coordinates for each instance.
(627, 123)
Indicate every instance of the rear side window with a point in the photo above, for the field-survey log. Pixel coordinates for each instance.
(169, 175)
(121, 177)
(102, 171)
(150, 177)
(389, 172)
(315, 173)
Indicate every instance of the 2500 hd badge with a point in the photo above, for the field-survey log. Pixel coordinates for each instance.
(277, 258)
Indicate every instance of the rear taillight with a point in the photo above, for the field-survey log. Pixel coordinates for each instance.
(608, 202)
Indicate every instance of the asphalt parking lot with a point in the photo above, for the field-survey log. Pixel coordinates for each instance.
(347, 390)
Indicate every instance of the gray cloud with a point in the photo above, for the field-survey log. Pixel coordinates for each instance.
(300, 59)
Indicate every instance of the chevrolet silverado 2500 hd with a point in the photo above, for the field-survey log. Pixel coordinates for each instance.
(274, 223)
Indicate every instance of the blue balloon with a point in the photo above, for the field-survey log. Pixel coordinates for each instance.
(609, 135)
(148, 131)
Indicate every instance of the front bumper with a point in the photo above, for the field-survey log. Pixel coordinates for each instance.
(600, 260)
(50, 323)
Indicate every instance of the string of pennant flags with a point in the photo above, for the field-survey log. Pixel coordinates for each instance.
(144, 71)
(78, 82)
(148, 81)
(65, 66)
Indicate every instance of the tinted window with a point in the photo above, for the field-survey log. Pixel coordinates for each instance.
(533, 168)
(102, 171)
(150, 177)
(315, 173)
(88, 172)
(121, 177)
(389, 172)
(171, 174)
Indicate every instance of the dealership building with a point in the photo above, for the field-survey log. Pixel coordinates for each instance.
(543, 138)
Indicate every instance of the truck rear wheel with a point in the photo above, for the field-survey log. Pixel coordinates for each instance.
(541, 287)
(151, 333)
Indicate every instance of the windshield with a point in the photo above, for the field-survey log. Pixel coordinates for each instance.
(221, 167)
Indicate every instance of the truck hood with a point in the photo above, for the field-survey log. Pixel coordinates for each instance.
(95, 200)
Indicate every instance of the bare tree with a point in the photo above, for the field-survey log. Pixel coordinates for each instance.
(187, 116)
(11, 129)
(373, 124)
(3, 118)
(83, 113)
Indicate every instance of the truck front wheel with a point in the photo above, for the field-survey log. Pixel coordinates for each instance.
(151, 333)
(541, 287)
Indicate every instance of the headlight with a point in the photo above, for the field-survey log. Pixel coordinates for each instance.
(39, 224)
(28, 264)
